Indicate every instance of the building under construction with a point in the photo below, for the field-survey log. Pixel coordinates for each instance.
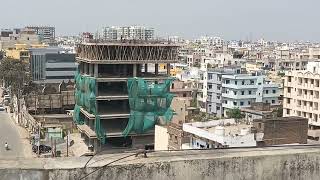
(120, 93)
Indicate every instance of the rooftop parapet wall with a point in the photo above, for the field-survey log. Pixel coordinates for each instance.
(115, 53)
(251, 164)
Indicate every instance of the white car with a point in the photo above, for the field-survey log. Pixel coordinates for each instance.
(1, 108)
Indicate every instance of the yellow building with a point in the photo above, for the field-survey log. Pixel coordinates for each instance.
(253, 67)
(175, 69)
(21, 51)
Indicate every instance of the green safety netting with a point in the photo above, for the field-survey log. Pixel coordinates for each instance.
(148, 102)
(85, 97)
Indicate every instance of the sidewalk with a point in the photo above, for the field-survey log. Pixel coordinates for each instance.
(24, 136)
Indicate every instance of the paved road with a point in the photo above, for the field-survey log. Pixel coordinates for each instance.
(10, 134)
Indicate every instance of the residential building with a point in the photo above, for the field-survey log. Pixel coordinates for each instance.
(8, 40)
(240, 90)
(48, 65)
(301, 96)
(21, 51)
(219, 134)
(127, 32)
(109, 125)
(284, 130)
(214, 98)
(46, 33)
(260, 110)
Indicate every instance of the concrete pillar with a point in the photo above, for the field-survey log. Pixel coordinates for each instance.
(85, 68)
(96, 73)
(145, 68)
(91, 69)
(124, 70)
(96, 147)
(156, 69)
(168, 69)
(135, 70)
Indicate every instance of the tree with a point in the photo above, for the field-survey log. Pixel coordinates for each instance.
(235, 113)
(14, 74)
(278, 112)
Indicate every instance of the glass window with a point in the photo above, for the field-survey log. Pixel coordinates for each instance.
(249, 92)
(274, 91)
(241, 103)
(242, 92)
(234, 103)
(273, 101)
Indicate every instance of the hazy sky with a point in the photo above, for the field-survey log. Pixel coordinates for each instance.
(230, 19)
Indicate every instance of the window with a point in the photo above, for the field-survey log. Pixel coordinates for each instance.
(288, 101)
(312, 81)
(235, 92)
(267, 101)
(249, 92)
(273, 101)
(209, 86)
(218, 108)
(241, 103)
(218, 87)
(274, 91)
(235, 82)
(288, 111)
(242, 82)
(242, 92)
(251, 82)
(234, 103)
(311, 93)
(305, 92)
(227, 81)
(218, 97)
(210, 76)
(249, 102)
(259, 125)
(259, 83)
(267, 91)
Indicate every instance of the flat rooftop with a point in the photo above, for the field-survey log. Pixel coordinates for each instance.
(234, 129)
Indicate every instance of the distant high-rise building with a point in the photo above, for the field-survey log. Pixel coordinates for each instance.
(127, 32)
(46, 33)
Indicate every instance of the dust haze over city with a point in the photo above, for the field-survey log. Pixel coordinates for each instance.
(141, 89)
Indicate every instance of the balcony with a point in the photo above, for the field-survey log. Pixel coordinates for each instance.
(272, 95)
(233, 86)
(238, 96)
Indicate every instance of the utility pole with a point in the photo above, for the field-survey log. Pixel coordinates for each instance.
(68, 143)
(38, 143)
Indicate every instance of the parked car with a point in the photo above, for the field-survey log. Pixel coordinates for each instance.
(1, 107)
(42, 148)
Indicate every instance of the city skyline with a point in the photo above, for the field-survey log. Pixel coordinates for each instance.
(248, 19)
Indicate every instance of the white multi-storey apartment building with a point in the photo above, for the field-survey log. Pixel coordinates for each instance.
(46, 33)
(127, 32)
(301, 96)
(240, 90)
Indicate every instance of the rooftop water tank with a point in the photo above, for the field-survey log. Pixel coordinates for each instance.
(244, 131)
(219, 130)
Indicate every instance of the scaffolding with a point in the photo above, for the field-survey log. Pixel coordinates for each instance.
(148, 103)
(86, 98)
(115, 52)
